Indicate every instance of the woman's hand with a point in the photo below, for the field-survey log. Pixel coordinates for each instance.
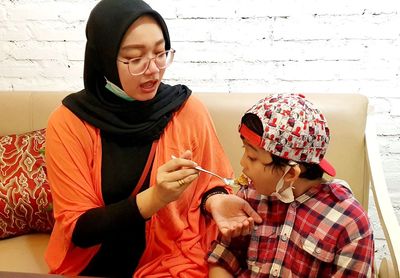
(233, 215)
(172, 179)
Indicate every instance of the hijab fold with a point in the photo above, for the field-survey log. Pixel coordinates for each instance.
(143, 120)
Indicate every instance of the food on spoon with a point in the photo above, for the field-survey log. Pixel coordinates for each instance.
(242, 180)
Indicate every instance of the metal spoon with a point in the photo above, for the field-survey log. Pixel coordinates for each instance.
(227, 181)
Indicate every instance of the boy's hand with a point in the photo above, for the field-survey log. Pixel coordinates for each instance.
(233, 215)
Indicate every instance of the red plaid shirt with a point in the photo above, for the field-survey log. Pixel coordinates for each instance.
(324, 233)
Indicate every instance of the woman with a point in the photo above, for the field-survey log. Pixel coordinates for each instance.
(122, 205)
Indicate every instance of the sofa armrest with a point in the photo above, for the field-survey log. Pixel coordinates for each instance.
(389, 266)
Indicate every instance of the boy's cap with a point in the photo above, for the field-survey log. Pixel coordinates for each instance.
(293, 129)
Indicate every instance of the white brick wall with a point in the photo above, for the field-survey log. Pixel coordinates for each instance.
(233, 45)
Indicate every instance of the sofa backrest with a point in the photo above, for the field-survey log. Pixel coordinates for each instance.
(346, 115)
(26, 111)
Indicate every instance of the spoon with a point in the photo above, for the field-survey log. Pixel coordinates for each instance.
(227, 181)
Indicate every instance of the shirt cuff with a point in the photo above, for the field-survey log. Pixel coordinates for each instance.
(222, 256)
(208, 194)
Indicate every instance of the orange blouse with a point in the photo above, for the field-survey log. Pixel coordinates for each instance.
(177, 236)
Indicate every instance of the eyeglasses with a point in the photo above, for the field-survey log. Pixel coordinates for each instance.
(138, 66)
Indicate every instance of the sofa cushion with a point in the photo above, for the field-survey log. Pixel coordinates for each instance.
(25, 199)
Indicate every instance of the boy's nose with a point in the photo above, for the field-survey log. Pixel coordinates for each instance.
(242, 161)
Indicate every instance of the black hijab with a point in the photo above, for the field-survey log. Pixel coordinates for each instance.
(106, 27)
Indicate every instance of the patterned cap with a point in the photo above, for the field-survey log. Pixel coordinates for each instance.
(293, 129)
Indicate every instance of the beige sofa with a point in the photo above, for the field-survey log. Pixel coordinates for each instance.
(353, 151)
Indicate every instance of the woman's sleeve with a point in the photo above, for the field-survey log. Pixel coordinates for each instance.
(208, 194)
(73, 158)
(96, 224)
(209, 152)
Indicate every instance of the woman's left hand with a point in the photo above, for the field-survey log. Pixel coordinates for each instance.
(233, 215)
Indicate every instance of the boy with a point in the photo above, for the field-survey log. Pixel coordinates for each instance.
(311, 227)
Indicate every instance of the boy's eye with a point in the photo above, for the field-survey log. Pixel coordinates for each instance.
(251, 158)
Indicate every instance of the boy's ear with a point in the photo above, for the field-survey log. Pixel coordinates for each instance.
(293, 173)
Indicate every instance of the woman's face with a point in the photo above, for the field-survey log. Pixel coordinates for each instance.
(257, 165)
(144, 38)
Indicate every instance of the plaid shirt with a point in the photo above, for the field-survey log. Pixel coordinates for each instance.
(324, 233)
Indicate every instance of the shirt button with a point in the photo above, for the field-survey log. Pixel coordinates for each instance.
(255, 269)
(318, 250)
(284, 237)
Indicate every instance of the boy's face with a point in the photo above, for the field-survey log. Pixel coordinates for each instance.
(257, 165)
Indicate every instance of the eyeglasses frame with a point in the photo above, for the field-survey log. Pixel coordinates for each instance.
(171, 51)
